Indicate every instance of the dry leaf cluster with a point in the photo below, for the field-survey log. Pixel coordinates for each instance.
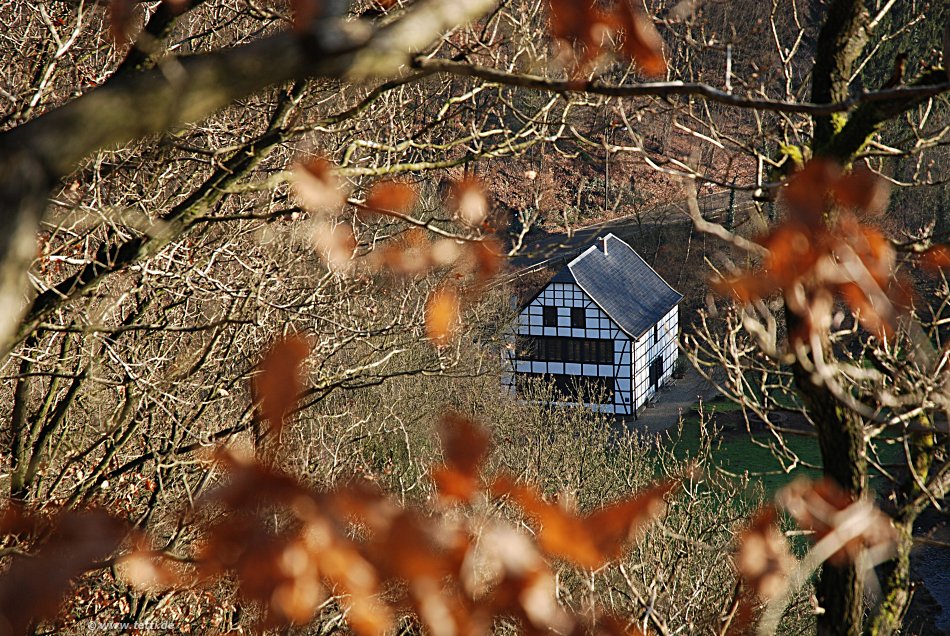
(850, 529)
(452, 566)
(827, 248)
(590, 26)
(474, 258)
(382, 560)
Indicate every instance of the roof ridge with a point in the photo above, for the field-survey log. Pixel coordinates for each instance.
(582, 255)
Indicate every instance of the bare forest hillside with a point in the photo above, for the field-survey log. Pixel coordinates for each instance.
(260, 262)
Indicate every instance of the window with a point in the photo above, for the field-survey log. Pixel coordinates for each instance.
(656, 332)
(549, 316)
(575, 351)
(578, 318)
(605, 351)
(569, 386)
(551, 349)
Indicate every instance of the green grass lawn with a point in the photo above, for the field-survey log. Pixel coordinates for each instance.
(735, 451)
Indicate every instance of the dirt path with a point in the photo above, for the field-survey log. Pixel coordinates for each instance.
(551, 248)
(672, 401)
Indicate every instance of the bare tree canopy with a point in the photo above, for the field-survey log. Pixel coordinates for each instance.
(258, 261)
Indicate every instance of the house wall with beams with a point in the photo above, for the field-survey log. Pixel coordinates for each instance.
(618, 374)
(606, 321)
(656, 346)
(629, 374)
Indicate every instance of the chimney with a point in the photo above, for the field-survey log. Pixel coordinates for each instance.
(603, 244)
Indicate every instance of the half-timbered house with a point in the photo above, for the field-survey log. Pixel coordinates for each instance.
(606, 320)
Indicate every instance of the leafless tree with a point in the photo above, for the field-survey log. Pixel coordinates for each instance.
(152, 244)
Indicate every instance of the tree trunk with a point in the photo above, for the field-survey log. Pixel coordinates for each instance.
(840, 590)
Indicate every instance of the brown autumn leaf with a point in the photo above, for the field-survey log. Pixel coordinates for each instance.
(289, 548)
(793, 251)
(442, 315)
(470, 202)
(813, 255)
(499, 550)
(148, 570)
(641, 43)
(824, 508)
(530, 596)
(936, 257)
(272, 569)
(574, 20)
(762, 557)
(875, 251)
(277, 383)
(120, 21)
(586, 24)
(863, 307)
(581, 25)
(304, 12)
(316, 184)
(444, 252)
(506, 575)
(290, 570)
(398, 259)
(764, 564)
(391, 197)
(616, 525)
(335, 242)
(561, 533)
(590, 541)
(410, 254)
(862, 190)
(177, 7)
(465, 446)
(808, 192)
(425, 556)
(488, 260)
(34, 586)
(344, 564)
(362, 501)
(410, 549)
(253, 486)
(745, 288)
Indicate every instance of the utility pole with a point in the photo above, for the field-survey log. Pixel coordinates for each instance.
(606, 158)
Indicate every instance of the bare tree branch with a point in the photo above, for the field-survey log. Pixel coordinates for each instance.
(668, 89)
(38, 153)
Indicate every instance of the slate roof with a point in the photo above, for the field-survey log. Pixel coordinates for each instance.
(564, 276)
(622, 284)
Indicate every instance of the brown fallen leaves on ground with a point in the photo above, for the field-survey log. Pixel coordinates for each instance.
(55, 551)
